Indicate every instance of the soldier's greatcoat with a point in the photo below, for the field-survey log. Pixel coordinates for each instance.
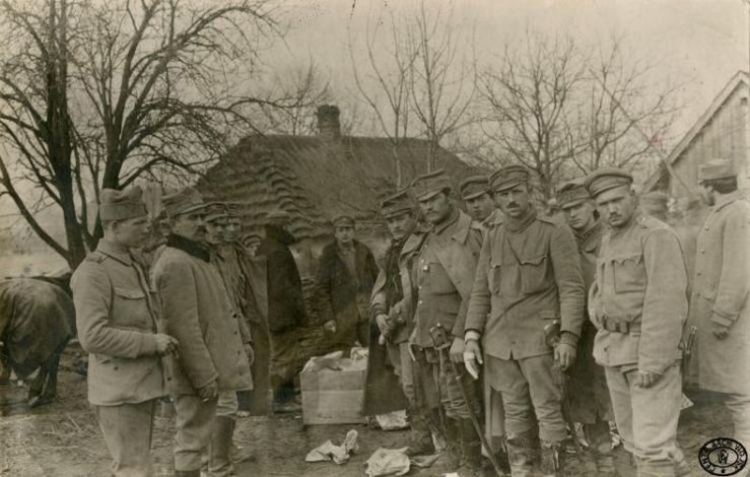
(117, 321)
(199, 313)
(587, 393)
(721, 294)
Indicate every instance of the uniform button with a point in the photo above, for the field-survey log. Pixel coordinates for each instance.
(420, 302)
(169, 379)
(699, 273)
(116, 368)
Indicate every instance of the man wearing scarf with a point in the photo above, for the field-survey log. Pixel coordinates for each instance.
(389, 310)
(213, 353)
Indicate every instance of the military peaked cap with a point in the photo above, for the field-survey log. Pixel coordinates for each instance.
(508, 177)
(606, 178)
(183, 202)
(474, 186)
(342, 220)
(121, 204)
(572, 193)
(429, 185)
(216, 211)
(396, 204)
(716, 169)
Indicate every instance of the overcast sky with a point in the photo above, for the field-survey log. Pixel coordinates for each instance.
(698, 43)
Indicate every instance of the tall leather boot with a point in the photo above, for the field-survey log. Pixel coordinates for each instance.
(521, 454)
(219, 463)
(600, 448)
(452, 452)
(420, 441)
(471, 447)
(187, 473)
(550, 465)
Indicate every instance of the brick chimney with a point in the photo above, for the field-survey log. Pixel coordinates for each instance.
(329, 127)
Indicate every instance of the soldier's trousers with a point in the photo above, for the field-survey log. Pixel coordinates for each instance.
(528, 386)
(436, 385)
(194, 421)
(228, 404)
(647, 418)
(127, 431)
(738, 406)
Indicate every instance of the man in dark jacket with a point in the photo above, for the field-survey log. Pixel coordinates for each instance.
(285, 304)
(346, 276)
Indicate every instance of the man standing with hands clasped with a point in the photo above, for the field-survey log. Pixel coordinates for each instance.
(638, 304)
(118, 324)
(528, 281)
(213, 353)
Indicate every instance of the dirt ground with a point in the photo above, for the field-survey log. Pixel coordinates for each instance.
(63, 439)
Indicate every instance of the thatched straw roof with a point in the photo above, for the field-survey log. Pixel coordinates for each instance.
(315, 177)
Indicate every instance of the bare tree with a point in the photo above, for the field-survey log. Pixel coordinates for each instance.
(161, 78)
(619, 107)
(383, 83)
(303, 88)
(563, 113)
(441, 81)
(527, 99)
(34, 119)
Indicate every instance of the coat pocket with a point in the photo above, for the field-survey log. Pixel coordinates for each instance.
(534, 274)
(130, 309)
(629, 273)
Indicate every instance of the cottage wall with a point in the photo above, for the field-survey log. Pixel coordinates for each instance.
(724, 136)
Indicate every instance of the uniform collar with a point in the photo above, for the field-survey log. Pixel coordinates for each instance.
(112, 250)
(583, 236)
(443, 226)
(191, 247)
(728, 199)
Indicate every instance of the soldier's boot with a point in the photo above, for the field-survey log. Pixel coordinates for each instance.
(420, 440)
(471, 447)
(187, 473)
(521, 455)
(219, 463)
(452, 451)
(550, 462)
(605, 464)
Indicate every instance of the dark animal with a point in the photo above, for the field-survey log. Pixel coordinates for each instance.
(37, 319)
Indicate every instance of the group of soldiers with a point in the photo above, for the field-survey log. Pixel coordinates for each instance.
(507, 329)
(543, 327)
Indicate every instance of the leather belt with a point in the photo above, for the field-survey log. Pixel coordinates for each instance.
(619, 326)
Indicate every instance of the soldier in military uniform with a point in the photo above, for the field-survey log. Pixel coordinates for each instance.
(638, 304)
(390, 310)
(587, 395)
(720, 301)
(227, 262)
(476, 194)
(214, 355)
(528, 277)
(444, 273)
(118, 324)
